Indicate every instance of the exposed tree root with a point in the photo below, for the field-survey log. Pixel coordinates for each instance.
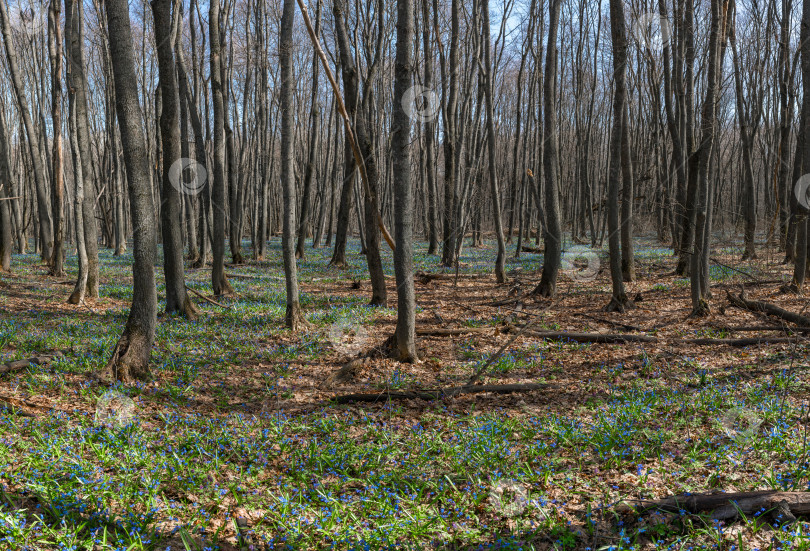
(129, 360)
(434, 394)
(346, 372)
(620, 304)
(294, 318)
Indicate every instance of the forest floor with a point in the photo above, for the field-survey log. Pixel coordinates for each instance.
(238, 422)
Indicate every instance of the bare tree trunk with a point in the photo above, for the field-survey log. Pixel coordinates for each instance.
(628, 265)
(619, 301)
(77, 93)
(801, 209)
(430, 139)
(130, 359)
(177, 300)
(309, 171)
(500, 261)
(451, 229)
(699, 287)
(404, 341)
(552, 237)
(57, 261)
(293, 317)
(219, 282)
(45, 220)
(6, 232)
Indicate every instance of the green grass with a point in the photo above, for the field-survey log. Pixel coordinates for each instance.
(372, 476)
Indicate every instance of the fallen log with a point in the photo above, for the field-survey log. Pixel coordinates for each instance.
(758, 328)
(624, 326)
(427, 277)
(749, 341)
(726, 506)
(450, 332)
(532, 250)
(433, 394)
(19, 365)
(23, 407)
(599, 338)
(766, 308)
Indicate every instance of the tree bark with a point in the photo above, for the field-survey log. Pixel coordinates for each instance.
(404, 341)
(219, 282)
(130, 359)
(700, 252)
(57, 261)
(619, 301)
(552, 237)
(293, 317)
(45, 220)
(500, 260)
(177, 300)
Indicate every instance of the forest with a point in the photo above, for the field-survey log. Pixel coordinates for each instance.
(404, 274)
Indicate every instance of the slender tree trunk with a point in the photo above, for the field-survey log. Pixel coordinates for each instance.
(628, 264)
(45, 220)
(77, 93)
(552, 237)
(177, 300)
(219, 282)
(619, 301)
(130, 359)
(6, 232)
(57, 260)
(430, 139)
(500, 261)
(801, 205)
(404, 341)
(449, 245)
(293, 318)
(309, 171)
(699, 289)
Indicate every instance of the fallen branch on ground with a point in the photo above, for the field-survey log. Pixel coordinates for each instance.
(766, 308)
(750, 341)
(19, 365)
(532, 250)
(23, 407)
(727, 506)
(206, 299)
(450, 332)
(600, 338)
(614, 338)
(757, 328)
(626, 326)
(434, 394)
